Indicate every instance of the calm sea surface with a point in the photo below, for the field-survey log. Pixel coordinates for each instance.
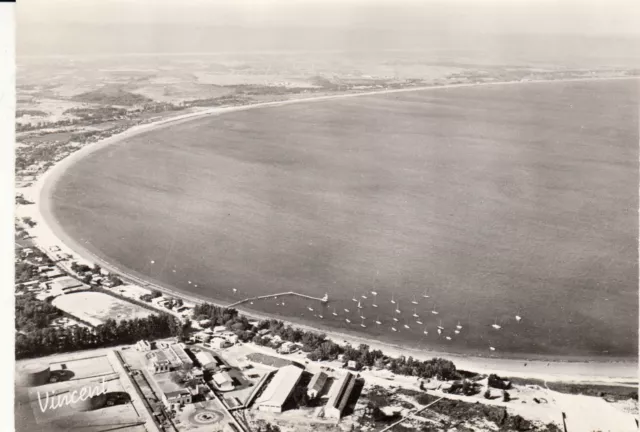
(494, 201)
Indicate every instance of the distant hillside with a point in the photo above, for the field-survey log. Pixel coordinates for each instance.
(111, 96)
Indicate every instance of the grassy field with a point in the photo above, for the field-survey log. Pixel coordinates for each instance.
(96, 308)
(497, 200)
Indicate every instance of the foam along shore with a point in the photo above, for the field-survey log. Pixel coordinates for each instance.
(48, 233)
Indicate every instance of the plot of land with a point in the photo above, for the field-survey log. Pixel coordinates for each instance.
(96, 308)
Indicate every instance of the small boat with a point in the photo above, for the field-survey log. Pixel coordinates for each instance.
(458, 326)
(448, 338)
(415, 315)
(189, 282)
(310, 308)
(492, 348)
(196, 285)
(425, 331)
(334, 312)
(174, 270)
(439, 331)
(251, 303)
(374, 293)
(234, 290)
(277, 304)
(407, 326)
(362, 316)
(348, 320)
(440, 325)
(282, 304)
(414, 301)
(434, 311)
(398, 308)
(392, 299)
(395, 319)
(518, 318)
(359, 305)
(424, 294)
(363, 296)
(374, 305)
(346, 310)
(378, 320)
(456, 331)
(394, 329)
(354, 297)
(321, 316)
(495, 325)
(418, 322)
(362, 324)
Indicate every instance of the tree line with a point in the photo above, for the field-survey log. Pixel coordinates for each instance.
(51, 340)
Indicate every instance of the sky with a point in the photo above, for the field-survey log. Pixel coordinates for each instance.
(597, 17)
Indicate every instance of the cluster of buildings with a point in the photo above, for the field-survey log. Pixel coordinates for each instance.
(273, 398)
(201, 372)
(217, 337)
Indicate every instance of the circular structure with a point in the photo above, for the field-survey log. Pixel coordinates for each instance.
(468, 205)
(205, 417)
(34, 374)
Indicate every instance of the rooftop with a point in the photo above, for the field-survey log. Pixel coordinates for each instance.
(337, 394)
(318, 381)
(65, 283)
(222, 378)
(280, 387)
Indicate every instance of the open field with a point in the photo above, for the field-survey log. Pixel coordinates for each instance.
(390, 193)
(96, 307)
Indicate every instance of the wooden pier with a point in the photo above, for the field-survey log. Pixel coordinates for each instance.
(290, 293)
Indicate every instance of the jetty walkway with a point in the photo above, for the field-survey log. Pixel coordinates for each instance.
(290, 293)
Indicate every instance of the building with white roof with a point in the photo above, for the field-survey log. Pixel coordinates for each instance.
(223, 381)
(206, 360)
(317, 384)
(279, 389)
(339, 396)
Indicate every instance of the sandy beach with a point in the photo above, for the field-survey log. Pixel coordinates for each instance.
(47, 233)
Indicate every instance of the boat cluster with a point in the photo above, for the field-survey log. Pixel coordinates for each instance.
(401, 319)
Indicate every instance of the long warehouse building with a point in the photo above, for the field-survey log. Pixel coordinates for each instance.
(339, 396)
(279, 389)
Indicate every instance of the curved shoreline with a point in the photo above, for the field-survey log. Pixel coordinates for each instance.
(49, 232)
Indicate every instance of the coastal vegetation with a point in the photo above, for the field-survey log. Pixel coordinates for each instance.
(46, 341)
(320, 348)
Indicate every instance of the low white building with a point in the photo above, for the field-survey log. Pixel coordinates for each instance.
(144, 346)
(223, 381)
